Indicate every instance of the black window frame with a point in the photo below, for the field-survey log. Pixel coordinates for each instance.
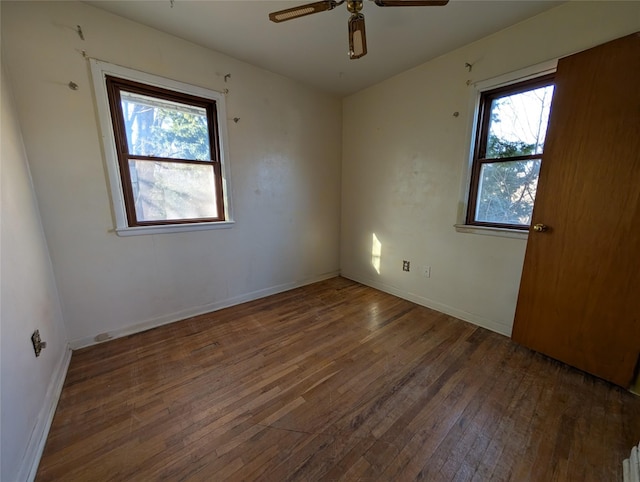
(480, 146)
(114, 85)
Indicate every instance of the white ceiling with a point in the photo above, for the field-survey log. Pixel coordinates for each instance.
(313, 49)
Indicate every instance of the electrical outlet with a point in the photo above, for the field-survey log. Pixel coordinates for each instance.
(406, 265)
(426, 271)
(37, 342)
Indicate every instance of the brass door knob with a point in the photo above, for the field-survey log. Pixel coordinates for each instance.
(540, 228)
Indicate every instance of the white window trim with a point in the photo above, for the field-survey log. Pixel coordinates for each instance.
(99, 71)
(477, 89)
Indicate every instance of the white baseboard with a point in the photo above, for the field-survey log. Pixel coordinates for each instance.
(195, 311)
(497, 327)
(631, 467)
(31, 459)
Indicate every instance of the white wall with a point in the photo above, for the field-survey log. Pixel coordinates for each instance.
(285, 155)
(29, 386)
(404, 164)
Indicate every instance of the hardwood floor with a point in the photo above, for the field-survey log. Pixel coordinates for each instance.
(333, 381)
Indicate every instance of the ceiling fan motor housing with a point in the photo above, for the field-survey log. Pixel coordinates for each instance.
(354, 6)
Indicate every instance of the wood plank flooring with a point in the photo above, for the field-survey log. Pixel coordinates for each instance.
(333, 381)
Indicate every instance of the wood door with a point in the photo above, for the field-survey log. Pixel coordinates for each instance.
(579, 299)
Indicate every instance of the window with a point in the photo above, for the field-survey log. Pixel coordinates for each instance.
(511, 128)
(164, 146)
(167, 154)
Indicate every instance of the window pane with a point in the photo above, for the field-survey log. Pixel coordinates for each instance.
(172, 190)
(161, 128)
(518, 123)
(506, 191)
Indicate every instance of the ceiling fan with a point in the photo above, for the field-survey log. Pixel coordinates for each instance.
(357, 39)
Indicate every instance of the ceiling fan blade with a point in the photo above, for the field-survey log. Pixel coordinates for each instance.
(410, 3)
(302, 10)
(357, 37)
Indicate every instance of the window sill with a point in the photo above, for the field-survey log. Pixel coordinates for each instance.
(486, 231)
(172, 228)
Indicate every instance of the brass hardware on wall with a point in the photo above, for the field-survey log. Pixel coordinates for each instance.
(38, 344)
(540, 228)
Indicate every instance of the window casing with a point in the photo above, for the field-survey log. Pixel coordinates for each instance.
(165, 150)
(507, 154)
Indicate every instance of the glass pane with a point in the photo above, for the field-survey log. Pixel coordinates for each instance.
(518, 123)
(161, 128)
(506, 191)
(172, 190)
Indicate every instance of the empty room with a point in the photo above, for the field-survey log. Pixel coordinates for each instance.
(341, 240)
